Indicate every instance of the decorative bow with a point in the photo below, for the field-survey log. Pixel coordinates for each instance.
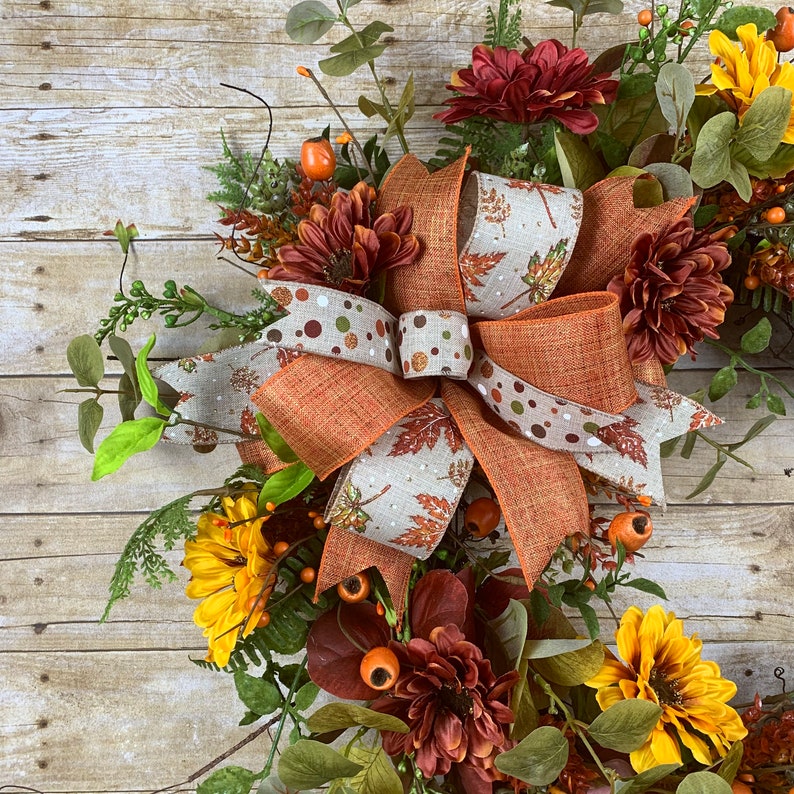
(378, 391)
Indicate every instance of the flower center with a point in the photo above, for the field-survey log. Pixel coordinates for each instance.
(666, 688)
(339, 266)
(458, 702)
(667, 304)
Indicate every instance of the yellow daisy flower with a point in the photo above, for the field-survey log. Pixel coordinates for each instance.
(742, 73)
(232, 569)
(664, 666)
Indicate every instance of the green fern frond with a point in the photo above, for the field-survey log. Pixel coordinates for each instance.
(503, 28)
(172, 523)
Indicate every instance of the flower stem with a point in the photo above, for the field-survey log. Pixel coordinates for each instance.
(283, 719)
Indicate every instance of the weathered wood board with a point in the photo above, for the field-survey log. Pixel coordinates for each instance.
(113, 109)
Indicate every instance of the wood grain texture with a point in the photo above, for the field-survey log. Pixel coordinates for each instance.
(111, 109)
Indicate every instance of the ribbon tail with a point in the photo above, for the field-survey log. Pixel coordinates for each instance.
(346, 554)
(520, 472)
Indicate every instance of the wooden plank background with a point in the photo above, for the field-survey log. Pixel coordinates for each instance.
(110, 109)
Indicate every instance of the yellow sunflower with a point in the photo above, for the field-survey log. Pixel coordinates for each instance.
(664, 666)
(232, 570)
(742, 73)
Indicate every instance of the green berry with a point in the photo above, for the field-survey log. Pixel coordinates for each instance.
(170, 320)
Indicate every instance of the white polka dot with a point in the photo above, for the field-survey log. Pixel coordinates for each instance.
(501, 278)
(464, 331)
(322, 300)
(219, 397)
(566, 417)
(481, 389)
(593, 442)
(372, 351)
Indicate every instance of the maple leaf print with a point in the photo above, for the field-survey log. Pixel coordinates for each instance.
(703, 418)
(496, 209)
(347, 510)
(423, 427)
(204, 436)
(287, 356)
(629, 443)
(248, 422)
(665, 399)
(541, 190)
(429, 528)
(458, 473)
(543, 274)
(473, 267)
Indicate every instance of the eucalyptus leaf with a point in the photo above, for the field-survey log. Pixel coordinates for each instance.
(362, 38)
(573, 667)
(675, 89)
(654, 149)
(739, 177)
(626, 725)
(632, 120)
(762, 18)
(258, 694)
(647, 191)
(126, 440)
(722, 382)
(334, 716)
(308, 21)
(765, 123)
(511, 630)
(229, 780)
(579, 164)
(644, 781)
(146, 381)
(757, 339)
(711, 161)
(703, 783)
(308, 765)
(285, 484)
(538, 759)
(89, 418)
(85, 360)
(378, 775)
(347, 62)
(543, 649)
(674, 179)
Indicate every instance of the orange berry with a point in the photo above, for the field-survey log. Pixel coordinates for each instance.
(687, 25)
(256, 602)
(645, 500)
(308, 575)
(319, 522)
(303, 71)
(780, 189)
(590, 584)
(631, 528)
(752, 282)
(645, 17)
(380, 668)
(219, 522)
(354, 589)
(482, 517)
(264, 620)
(282, 547)
(318, 159)
(313, 514)
(782, 35)
(775, 215)
(263, 273)
(270, 507)
(380, 609)
(740, 788)
(344, 138)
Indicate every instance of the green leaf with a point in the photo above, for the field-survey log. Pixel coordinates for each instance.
(757, 339)
(129, 398)
(306, 695)
(675, 89)
(510, 628)
(146, 381)
(711, 161)
(347, 63)
(543, 649)
(731, 763)
(764, 124)
(538, 759)
(634, 85)
(675, 179)
(579, 164)
(334, 716)
(229, 780)
(689, 445)
(647, 191)
(123, 352)
(706, 213)
(124, 234)
(615, 152)
(89, 418)
(286, 484)
(573, 667)
(723, 381)
(644, 781)
(258, 694)
(629, 119)
(274, 440)
(363, 38)
(703, 783)
(85, 360)
(733, 18)
(754, 401)
(539, 607)
(708, 477)
(126, 440)
(739, 177)
(308, 764)
(378, 775)
(308, 21)
(646, 586)
(775, 404)
(370, 108)
(625, 725)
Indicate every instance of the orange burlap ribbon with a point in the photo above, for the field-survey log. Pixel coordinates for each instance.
(329, 411)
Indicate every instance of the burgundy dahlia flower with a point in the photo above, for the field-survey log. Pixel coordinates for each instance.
(671, 293)
(343, 247)
(549, 81)
(454, 705)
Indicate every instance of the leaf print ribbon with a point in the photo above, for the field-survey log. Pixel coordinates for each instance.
(514, 240)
